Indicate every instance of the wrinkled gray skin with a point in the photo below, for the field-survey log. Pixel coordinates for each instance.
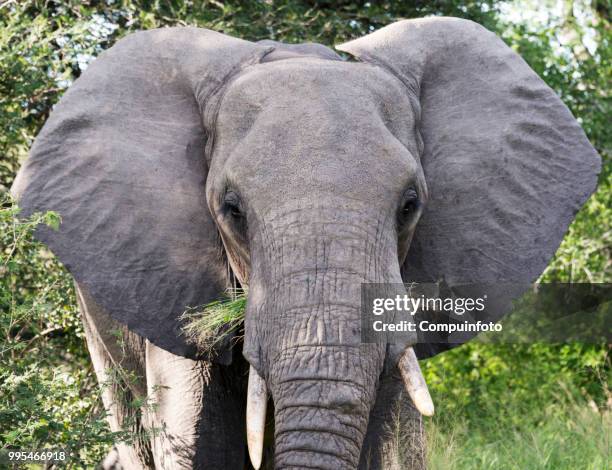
(181, 151)
(314, 236)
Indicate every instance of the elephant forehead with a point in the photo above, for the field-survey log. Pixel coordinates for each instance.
(340, 121)
(316, 97)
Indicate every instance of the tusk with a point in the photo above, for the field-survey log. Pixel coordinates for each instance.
(415, 382)
(257, 401)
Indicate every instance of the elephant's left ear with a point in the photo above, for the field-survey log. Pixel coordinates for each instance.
(122, 160)
(507, 165)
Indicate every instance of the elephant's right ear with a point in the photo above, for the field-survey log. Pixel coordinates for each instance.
(122, 160)
(507, 165)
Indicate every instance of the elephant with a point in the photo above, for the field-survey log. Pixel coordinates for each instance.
(184, 161)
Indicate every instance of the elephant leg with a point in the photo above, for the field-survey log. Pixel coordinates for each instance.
(192, 413)
(118, 359)
(395, 439)
(111, 461)
(199, 411)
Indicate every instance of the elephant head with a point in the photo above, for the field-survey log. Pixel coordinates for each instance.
(435, 153)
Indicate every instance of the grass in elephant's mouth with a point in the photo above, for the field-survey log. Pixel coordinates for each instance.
(216, 322)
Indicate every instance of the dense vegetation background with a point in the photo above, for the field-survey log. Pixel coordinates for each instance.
(498, 406)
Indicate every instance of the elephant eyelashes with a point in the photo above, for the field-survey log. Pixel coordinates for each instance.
(410, 206)
(231, 205)
(232, 210)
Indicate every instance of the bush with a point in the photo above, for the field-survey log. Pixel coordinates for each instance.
(48, 393)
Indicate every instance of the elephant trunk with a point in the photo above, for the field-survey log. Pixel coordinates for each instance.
(302, 334)
(322, 396)
(321, 378)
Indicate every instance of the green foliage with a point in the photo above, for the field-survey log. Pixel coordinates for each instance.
(475, 380)
(217, 321)
(42, 47)
(569, 435)
(498, 406)
(48, 394)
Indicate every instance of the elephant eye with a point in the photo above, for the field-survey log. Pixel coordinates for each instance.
(231, 205)
(410, 205)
